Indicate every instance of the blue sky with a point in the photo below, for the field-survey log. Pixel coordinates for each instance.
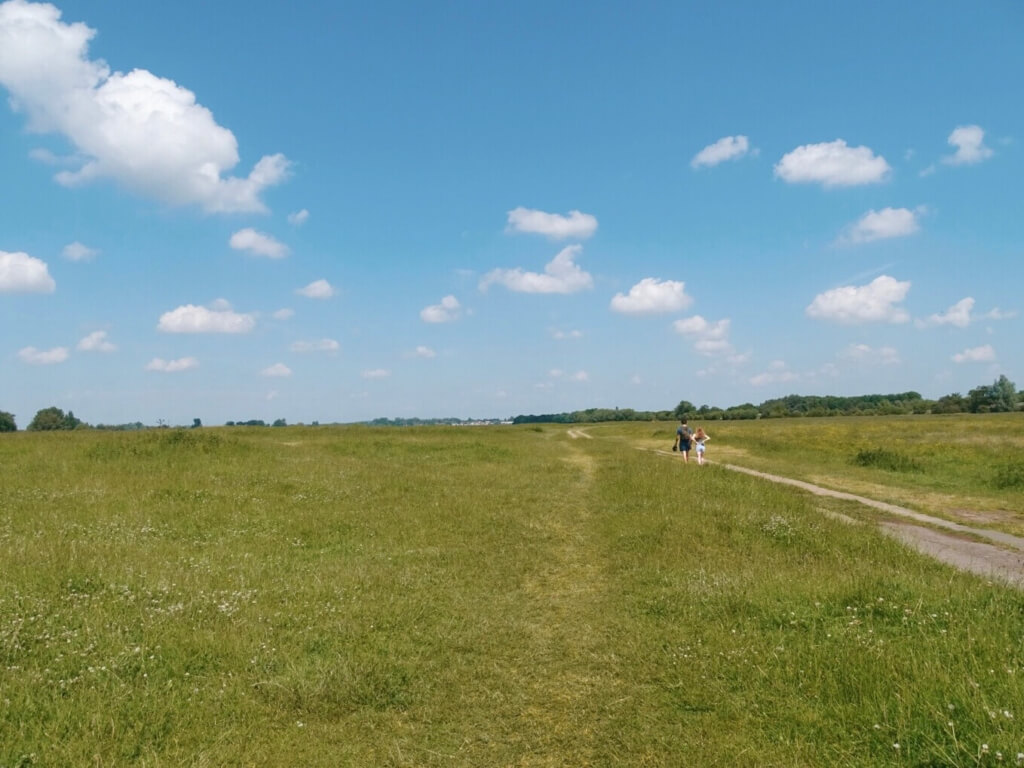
(343, 211)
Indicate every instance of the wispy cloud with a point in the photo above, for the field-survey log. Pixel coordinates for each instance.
(726, 148)
(882, 225)
(318, 289)
(96, 342)
(76, 251)
(172, 366)
(34, 356)
(982, 354)
(447, 311)
(258, 243)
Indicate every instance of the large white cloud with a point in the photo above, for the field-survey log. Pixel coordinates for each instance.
(832, 164)
(261, 244)
(881, 225)
(561, 275)
(447, 311)
(958, 315)
(318, 289)
(969, 141)
(172, 366)
(145, 132)
(726, 148)
(878, 301)
(34, 356)
(651, 296)
(553, 225)
(96, 342)
(21, 273)
(192, 319)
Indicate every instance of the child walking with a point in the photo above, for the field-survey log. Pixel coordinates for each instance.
(699, 439)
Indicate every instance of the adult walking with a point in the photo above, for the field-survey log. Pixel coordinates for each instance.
(684, 439)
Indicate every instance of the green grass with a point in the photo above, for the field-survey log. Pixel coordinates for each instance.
(473, 597)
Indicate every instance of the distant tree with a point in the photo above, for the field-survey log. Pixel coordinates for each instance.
(48, 419)
(7, 422)
(196, 423)
(997, 397)
(279, 423)
(684, 409)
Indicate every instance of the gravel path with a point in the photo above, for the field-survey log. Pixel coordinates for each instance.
(1003, 560)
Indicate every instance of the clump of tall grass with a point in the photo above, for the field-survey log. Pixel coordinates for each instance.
(880, 458)
(1009, 475)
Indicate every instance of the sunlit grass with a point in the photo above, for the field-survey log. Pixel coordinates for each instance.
(485, 596)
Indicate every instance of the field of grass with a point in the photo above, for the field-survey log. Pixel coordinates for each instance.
(493, 596)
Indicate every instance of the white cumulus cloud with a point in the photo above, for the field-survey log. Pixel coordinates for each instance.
(319, 345)
(958, 315)
(832, 164)
(561, 275)
(969, 141)
(881, 225)
(172, 366)
(447, 311)
(982, 354)
(192, 319)
(318, 289)
(76, 251)
(145, 132)
(21, 273)
(34, 356)
(651, 296)
(553, 225)
(726, 148)
(709, 339)
(278, 370)
(96, 342)
(876, 302)
(258, 243)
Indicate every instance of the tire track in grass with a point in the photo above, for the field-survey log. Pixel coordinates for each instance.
(563, 673)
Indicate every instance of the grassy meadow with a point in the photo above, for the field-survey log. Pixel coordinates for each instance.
(491, 596)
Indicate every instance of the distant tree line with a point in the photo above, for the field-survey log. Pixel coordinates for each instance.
(1001, 396)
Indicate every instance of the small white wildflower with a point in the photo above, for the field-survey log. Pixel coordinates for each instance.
(896, 745)
(1008, 714)
(878, 727)
(984, 749)
(300, 724)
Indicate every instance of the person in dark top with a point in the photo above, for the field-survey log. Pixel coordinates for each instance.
(684, 439)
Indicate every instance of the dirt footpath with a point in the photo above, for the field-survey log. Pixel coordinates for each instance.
(1003, 559)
